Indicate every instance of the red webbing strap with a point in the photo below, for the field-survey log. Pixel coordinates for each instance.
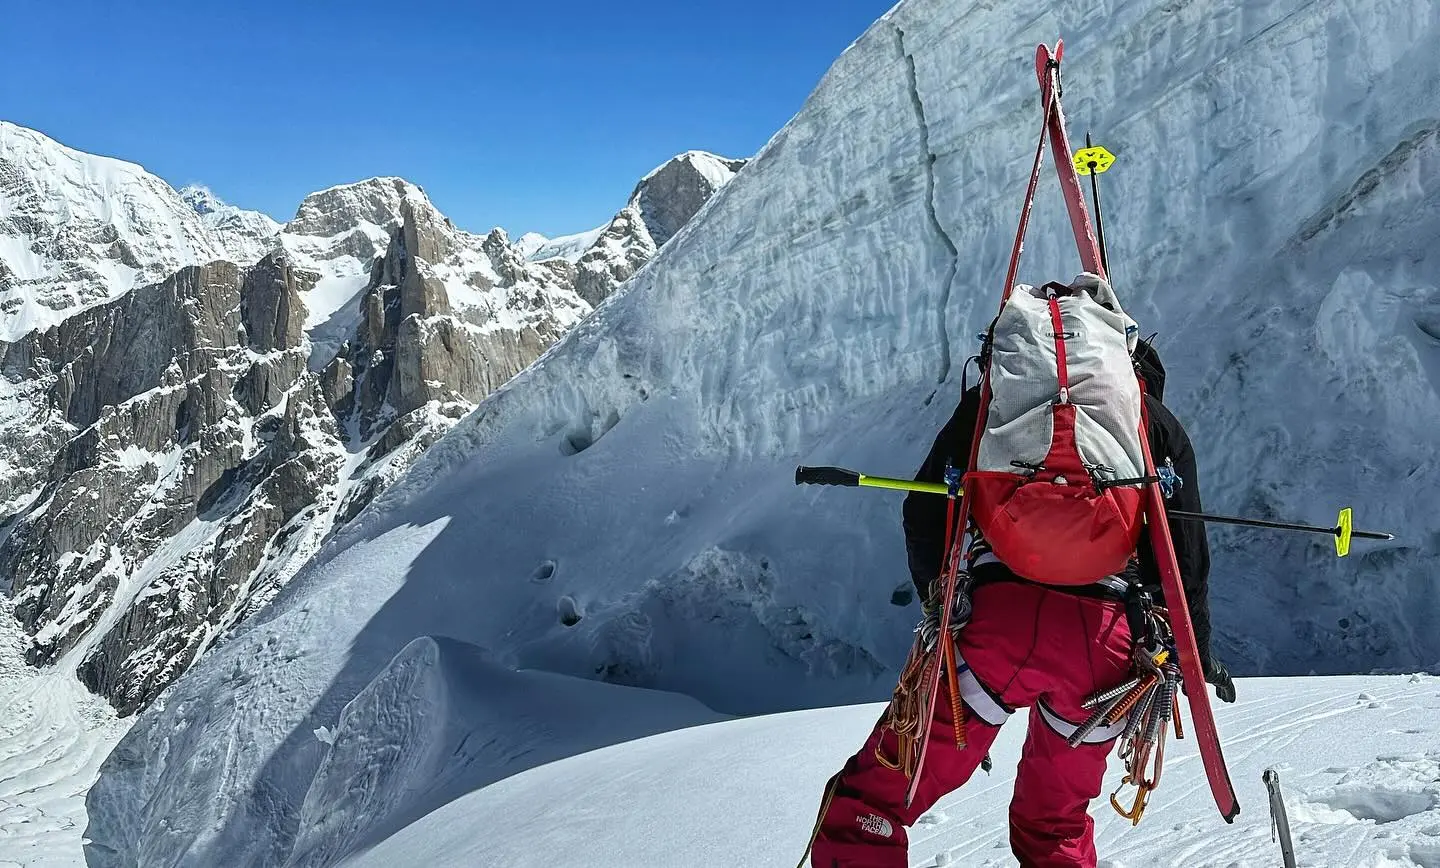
(1061, 369)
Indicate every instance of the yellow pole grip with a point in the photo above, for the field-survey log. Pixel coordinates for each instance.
(904, 485)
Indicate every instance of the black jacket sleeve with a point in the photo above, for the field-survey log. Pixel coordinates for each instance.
(924, 514)
(1192, 550)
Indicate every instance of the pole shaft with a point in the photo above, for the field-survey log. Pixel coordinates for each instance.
(904, 485)
(829, 475)
(1277, 525)
(1100, 222)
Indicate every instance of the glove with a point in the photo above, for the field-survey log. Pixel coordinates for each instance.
(1216, 674)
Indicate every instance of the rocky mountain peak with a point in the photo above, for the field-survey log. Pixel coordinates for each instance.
(669, 196)
(78, 230)
(201, 199)
(336, 210)
(246, 236)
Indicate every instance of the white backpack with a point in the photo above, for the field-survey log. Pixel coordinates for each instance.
(1056, 489)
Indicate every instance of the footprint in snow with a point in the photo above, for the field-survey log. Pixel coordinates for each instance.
(1391, 789)
(1424, 855)
(1377, 805)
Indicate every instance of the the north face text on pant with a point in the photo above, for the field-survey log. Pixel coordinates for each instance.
(876, 825)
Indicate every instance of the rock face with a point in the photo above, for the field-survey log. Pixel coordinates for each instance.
(193, 396)
(674, 193)
(190, 424)
(663, 202)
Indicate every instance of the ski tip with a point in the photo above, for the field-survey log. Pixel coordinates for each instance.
(1059, 52)
(1232, 813)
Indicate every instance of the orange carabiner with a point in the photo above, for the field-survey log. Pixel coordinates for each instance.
(1142, 797)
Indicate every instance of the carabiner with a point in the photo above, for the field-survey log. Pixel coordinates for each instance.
(1142, 796)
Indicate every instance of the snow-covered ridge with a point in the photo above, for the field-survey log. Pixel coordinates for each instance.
(716, 169)
(536, 247)
(77, 230)
(247, 235)
(702, 171)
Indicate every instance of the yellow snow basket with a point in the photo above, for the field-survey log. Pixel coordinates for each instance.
(1343, 531)
(1095, 159)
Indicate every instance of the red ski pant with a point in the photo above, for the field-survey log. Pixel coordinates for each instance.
(1025, 646)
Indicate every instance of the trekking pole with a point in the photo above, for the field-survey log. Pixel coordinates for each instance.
(1092, 160)
(1279, 819)
(1343, 531)
(841, 476)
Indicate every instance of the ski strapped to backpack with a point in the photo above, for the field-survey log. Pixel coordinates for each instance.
(920, 680)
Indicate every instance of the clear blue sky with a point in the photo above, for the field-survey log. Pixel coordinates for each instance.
(529, 115)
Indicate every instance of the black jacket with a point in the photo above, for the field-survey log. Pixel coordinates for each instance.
(924, 514)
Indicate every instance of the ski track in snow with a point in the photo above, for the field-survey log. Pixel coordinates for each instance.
(53, 737)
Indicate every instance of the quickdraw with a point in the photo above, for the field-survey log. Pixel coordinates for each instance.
(1150, 701)
(915, 688)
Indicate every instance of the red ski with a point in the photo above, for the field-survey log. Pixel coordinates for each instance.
(1047, 69)
(930, 679)
(1193, 674)
(1196, 689)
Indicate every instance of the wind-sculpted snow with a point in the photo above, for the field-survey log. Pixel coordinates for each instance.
(1356, 758)
(440, 721)
(624, 509)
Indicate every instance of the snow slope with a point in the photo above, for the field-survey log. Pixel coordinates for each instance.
(77, 230)
(1359, 762)
(624, 509)
(246, 235)
(53, 737)
(537, 248)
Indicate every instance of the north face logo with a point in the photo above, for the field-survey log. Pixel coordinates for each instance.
(876, 825)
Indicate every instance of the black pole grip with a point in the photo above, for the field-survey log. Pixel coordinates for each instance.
(826, 476)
